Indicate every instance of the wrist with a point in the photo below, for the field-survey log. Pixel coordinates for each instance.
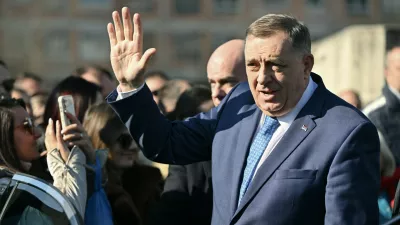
(130, 86)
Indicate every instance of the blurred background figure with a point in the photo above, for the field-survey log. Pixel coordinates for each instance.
(29, 82)
(187, 197)
(83, 92)
(21, 94)
(384, 111)
(4, 76)
(169, 94)
(225, 69)
(193, 101)
(99, 76)
(131, 188)
(352, 97)
(38, 104)
(156, 80)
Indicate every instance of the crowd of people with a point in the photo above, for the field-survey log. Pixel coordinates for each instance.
(264, 143)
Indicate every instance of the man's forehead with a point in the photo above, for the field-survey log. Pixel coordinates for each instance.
(274, 46)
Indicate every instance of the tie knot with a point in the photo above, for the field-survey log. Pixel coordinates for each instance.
(270, 125)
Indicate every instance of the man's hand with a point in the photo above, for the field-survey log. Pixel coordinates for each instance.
(127, 58)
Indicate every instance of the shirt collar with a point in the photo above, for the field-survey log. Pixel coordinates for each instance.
(286, 120)
(395, 92)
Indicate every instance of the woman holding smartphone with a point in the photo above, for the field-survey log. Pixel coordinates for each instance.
(18, 137)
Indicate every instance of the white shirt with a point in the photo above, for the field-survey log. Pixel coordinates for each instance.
(285, 122)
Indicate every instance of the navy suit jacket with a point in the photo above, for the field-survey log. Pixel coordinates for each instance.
(324, 170)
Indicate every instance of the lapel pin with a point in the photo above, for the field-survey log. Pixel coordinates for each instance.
(304, 127)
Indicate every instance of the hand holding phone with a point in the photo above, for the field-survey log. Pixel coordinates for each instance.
(66, 104)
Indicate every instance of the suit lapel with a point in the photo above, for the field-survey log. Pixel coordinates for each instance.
(297, 132)
(289, 142)
(248, 126)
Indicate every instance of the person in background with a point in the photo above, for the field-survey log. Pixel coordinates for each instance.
(4, 76)
(226, 68)
(129, 205)
(38, 103)
(169, 94)
(18, 149)
(21, 94)
(384, 111)
(84, 94)
(29, 82)
(189, 188)
(187, 195)
(313, 158)
(352, 97)
(97, 75)
(156, 80)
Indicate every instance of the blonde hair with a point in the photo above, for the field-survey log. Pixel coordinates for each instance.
(95, 120)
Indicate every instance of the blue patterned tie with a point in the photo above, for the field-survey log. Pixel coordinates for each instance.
(257, 149)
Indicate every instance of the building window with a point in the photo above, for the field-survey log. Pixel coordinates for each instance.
(219, 39)
(55, 5)
(96, 3)
(56, 45)
(226, 6)
(93, 46)
(187, 47)
(187, 6)
(314, 2)
(357, 7)
(275, 4)
(391, 7)
(142, 6)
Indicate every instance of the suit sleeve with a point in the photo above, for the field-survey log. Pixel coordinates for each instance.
(160, 139)
(353, 180)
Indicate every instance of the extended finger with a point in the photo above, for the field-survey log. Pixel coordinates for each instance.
(43, 153)
(73, 128)
(111, 34)
(146, 56)
(128, 26)
(137, 33)
(118, 26)
(50, 129)
(72, 137)
(58, 131)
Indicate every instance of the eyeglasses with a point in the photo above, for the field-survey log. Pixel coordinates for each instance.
(125, 141)
(27, 125)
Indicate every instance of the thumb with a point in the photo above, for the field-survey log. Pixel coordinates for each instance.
(146, 56)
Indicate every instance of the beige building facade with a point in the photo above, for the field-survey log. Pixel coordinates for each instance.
(51, 37)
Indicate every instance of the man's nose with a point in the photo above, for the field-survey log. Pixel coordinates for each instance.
(218, 93)
(264, 75)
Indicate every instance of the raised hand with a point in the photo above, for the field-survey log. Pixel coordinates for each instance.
(127, 58)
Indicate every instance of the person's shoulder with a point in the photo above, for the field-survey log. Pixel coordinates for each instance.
(343, 113)
(375, 106)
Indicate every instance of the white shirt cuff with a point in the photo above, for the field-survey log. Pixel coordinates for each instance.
(122, 95)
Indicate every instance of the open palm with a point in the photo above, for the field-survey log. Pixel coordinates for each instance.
(127, 58)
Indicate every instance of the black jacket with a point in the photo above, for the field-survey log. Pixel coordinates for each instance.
(187, 196)
(385, 114)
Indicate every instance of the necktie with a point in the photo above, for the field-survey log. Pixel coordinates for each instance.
(257, 149)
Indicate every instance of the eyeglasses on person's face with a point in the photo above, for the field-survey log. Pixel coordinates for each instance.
(27, 125)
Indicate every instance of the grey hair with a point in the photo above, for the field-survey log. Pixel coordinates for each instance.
(270, 24)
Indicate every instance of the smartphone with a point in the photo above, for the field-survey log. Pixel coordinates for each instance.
(66, 103)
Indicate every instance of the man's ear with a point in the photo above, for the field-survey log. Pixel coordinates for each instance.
(308, 61)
